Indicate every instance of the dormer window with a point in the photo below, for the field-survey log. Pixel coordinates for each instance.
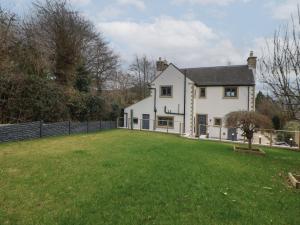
(230, 92)
(166, 91)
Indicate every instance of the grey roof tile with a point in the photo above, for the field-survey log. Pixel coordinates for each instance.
(220, 75)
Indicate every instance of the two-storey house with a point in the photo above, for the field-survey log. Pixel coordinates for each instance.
(194, 101)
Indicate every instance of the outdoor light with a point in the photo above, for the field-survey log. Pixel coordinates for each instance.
(291, 140)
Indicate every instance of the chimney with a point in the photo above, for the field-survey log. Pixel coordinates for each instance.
(161, 65)
(252, 61)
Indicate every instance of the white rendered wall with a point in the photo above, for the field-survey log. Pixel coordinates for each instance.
(214, 105)
(175, 104)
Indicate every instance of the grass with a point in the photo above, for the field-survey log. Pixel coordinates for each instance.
(132, 177)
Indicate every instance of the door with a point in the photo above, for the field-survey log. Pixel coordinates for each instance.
(202, 120)
(232, 134)
(146, 122)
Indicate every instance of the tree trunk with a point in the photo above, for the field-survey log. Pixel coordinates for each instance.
(249, 143)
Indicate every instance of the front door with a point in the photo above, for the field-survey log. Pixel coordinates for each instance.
(146, 122)
(202, 124)
(232, 134)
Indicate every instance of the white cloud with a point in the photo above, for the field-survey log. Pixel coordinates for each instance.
(283, 9)
(139, 4)
(183, 42)
(208, 2)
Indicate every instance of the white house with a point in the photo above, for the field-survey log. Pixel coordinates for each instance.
(194, 101)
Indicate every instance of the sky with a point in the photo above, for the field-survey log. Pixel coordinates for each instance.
(188, 33)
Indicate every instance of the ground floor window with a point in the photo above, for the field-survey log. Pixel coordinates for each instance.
(135, 120)
(217, 122)
(165, 121)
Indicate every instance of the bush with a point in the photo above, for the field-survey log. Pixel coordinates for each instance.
(31, 98)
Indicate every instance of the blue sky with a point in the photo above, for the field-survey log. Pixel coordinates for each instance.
(189, 33)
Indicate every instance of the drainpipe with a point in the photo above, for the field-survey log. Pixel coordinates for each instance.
(154, 107)
(184, 100)
(248, 99)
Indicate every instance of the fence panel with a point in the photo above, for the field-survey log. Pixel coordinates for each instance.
(20, 131)
(78, 127)
(31, 130)
(93, 126)
(55, 129)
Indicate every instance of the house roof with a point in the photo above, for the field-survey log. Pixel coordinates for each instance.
(220, 75)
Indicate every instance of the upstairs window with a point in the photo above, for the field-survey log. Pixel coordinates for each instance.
(230, 92)
(202, 92)
(166, 91)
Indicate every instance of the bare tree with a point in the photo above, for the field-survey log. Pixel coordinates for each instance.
(8, 39)
(280, 66)
(102, 62)
(144, 71)
(248, 122)
(61, 35)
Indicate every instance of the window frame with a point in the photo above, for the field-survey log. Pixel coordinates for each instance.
(165, 96)
(230, 97)
(204, 92)
(164, 126)
(218, 118)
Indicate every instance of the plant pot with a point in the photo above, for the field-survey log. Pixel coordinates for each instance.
(254, 151)
(295, 180)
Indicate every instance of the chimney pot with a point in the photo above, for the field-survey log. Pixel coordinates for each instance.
(161, 65)
(252, 61)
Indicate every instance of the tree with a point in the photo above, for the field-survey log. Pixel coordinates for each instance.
(102, 63)
(248, 122)
(280, 66)
(60, 35)
(83, 79)
(144, 71)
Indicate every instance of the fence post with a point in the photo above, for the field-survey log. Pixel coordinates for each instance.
(167, 126)
(118, 122)
(271, 138)
(298, 139)
(69, 127)
(180, 129)
(41, 128)
(220, 134)
(140, 124)
(87, 126)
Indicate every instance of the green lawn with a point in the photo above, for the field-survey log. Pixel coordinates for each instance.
(132, 177)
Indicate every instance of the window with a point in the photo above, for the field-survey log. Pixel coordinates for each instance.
(202, 92)
(217, 122)
(135, 120)
(166, 91)
(230, 92)
(164, 122)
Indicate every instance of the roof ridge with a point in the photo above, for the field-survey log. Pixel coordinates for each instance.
(206, 67)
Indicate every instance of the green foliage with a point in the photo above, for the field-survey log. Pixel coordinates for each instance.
(125, 177)
(83, 79)
(259, 98)
(31, 98)
(276, 122)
